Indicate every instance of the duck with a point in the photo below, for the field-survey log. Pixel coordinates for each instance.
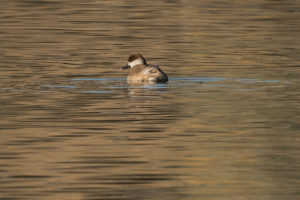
(140, 71)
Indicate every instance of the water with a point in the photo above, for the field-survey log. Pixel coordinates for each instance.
(226, 125)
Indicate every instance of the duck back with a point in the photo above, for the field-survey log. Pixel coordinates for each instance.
(147, 73)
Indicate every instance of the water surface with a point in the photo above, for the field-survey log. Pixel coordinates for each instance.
(226, 125)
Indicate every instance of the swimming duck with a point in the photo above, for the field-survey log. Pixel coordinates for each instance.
(140, 71)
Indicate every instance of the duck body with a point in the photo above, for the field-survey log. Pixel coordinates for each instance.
(140, 71)
(147, 73)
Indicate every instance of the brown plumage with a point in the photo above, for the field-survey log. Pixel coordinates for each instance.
(140, 71)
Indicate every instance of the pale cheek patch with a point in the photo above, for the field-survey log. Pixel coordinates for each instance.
(135, 62)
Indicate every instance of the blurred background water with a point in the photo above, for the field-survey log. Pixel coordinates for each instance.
(226, 126)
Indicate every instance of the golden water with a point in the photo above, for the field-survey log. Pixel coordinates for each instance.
(226, 126)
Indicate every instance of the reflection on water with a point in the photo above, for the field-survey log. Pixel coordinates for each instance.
(226, 125)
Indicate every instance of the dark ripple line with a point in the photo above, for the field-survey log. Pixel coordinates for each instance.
(29, 176)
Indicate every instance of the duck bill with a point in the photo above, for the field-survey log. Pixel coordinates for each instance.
(125, 67)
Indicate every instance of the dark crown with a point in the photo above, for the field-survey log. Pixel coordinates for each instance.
(136, 56)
